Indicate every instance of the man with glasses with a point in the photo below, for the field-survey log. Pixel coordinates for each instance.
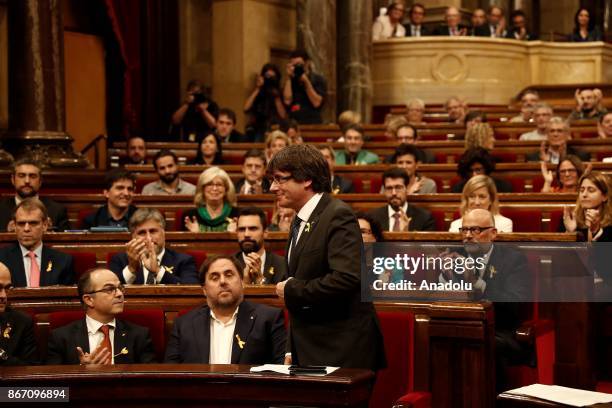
(17, 341)
(330, 324)
(503, 278)
(33, 264)
(146, 260)
(227, 329)
(555, 147)
(27, 180)
(253, 169)
(397, 215)
(417, 16)
(100, 338)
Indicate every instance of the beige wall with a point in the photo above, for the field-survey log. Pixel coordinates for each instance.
(248, 33)
(557, 16)
(195, 39)
(3, 68)
(85, 89)
(483, 70)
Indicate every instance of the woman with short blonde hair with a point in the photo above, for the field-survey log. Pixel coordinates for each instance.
(215, 202)
(276, 141)
(480, 192)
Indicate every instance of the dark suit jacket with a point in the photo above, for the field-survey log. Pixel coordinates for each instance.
(530, 36)
(180, 268)
(424, 30)
(136, 339)
(99, 217)
(260, 328)
(275, 268)
(444, 29)
(344, 186)
(56, 211)
(56, 268)
(584, 156)
(330, 325)
(265, 185)
(21, 344)
(237, 137)
(420, 219)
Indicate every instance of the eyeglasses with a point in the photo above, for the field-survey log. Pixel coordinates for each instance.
(473, 230)
(109, 290)
(279, 179)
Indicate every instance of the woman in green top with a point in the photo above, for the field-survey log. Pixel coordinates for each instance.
(215, 202)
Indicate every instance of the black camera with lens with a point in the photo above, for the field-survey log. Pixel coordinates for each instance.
(199, 98)
(298, 71)
(271, 83)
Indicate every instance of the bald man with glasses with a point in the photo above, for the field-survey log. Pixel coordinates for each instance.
(100, 338)
(502, 278)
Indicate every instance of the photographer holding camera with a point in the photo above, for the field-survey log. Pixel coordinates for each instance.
(196, 117)
(304, 91)
(264, 105)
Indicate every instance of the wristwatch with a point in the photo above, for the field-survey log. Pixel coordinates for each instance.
(3, 355)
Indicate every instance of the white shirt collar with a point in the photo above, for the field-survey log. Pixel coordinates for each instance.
(93, 326)
(308, 208)
(18, 199)
(230, 321)
(37, 251)
(391, 211)
(161, 255)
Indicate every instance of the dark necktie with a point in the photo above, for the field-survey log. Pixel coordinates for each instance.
(150, 279)
(252, 190)
(295, 230)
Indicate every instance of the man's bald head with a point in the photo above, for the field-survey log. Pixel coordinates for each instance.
(479, 217)
(5, 285)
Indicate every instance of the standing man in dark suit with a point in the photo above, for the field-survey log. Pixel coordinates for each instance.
(27, 180)
(228, 330)
(397, 215)
(17, 341)
(31, 263)
(330, 325)
(260, 267)
(147, 260)
(417, 15)
(100, 338)
(339, 185)
(504, 280)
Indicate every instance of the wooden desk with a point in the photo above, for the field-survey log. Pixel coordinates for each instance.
(193, 385)
(505, 400)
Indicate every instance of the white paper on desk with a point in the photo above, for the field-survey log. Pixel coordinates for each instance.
(563, 395)
(284, 369)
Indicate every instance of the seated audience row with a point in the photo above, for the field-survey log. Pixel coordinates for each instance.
(231, 330)
(490, 23)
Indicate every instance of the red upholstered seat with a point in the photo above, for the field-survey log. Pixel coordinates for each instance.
(153, 319)
(604, 386)
(396, 381)
(83, 261)
(198, 255)
(524, 219)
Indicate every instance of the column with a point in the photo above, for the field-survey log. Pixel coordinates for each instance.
(37, 122)
(354, 54)
(316, 34)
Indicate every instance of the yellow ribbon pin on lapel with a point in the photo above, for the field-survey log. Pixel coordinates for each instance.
(49, 266)
(240, 342)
